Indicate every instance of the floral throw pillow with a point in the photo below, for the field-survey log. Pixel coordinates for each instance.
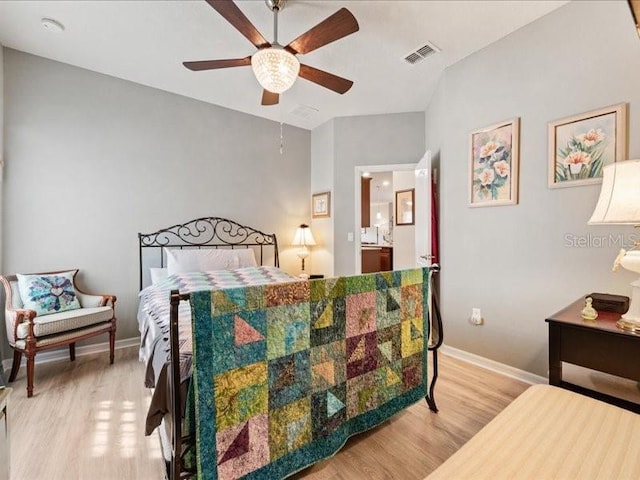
(48, 293)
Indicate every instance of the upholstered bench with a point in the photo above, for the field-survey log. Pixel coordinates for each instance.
(47, 310)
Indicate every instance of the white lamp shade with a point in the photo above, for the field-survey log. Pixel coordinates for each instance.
(619, 201)
(303, 236)
(275, 68)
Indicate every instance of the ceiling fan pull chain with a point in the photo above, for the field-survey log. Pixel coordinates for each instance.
(281, 139)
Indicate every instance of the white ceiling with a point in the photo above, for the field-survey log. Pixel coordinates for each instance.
(147, 41)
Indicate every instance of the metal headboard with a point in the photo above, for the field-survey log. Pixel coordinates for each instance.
(208, 232)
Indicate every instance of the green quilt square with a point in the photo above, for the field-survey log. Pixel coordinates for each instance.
(360, 283)
(290, 427)
(388, 307)
(411, 277)
(287, 329)
(240, 394)
(329, 288)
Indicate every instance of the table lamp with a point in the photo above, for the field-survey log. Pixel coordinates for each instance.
(303, 238)
(619, 204)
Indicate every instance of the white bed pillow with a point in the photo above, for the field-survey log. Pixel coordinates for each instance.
(246, 257)
(158, 275)
(200, 260)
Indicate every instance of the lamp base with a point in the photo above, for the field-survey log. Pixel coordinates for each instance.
(628, 325)
(630, 321)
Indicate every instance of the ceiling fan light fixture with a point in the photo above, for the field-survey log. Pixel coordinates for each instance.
(275, 68)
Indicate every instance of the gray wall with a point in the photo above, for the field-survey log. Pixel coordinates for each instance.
(367, 140)
(514, 261)
(92, 160)
(322, 147)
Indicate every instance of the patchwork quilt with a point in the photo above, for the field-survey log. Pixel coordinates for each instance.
(285, 373)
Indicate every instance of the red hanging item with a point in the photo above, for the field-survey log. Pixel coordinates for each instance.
(435, 251)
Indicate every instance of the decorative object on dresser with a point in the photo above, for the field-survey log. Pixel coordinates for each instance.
(493, 164)
(303, 238)
(610, 303)
(276, 67)
(321, 205)
(581, 145)
(619, 204)
(48, 310)
(405, 207)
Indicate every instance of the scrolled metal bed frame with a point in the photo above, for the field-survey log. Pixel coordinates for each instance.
(216, 232)
(209, 232)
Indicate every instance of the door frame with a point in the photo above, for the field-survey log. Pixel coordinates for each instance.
(358, 171)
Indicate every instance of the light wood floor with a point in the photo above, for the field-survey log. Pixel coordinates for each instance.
(86, 422)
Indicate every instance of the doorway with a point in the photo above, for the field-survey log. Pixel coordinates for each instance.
(406, 242)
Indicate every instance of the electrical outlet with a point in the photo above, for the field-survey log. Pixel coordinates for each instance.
(476, 316)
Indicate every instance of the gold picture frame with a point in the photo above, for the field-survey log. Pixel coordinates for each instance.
(494, 158)
(321, 205)
(581, 145)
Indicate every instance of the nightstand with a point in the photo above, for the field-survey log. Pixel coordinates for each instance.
(594, 344)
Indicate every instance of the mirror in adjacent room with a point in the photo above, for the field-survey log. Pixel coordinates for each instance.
(405, 208)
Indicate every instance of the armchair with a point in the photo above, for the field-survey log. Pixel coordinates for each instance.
(29, 332)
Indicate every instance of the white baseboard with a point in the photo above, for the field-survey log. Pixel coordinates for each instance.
(494, 366)
(63, 353)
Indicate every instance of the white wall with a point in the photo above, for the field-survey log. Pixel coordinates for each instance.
(514, 262)
(367, 140)
(322, 144)
(92, 160)
(404, 236)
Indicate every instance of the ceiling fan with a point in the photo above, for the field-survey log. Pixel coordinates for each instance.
(276, 67)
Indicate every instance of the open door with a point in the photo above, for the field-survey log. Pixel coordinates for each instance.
(423, 211)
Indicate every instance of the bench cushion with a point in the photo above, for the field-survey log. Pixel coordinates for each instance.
(65, 321)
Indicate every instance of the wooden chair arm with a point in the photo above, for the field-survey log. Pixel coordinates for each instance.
(15, 317)
(108, 300)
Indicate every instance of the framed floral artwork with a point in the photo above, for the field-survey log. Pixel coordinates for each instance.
(581, 145)
(321, 205)
(493, 180)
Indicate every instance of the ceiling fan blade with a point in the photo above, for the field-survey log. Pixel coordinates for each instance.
(213, 64)
(325, 79)
(235, 17)
(338, 25)
(270, 98)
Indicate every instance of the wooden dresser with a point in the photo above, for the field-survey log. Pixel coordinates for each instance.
(5, 393)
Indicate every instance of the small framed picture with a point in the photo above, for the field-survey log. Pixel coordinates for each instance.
(581, 145)
(405, 208)
(321, 205)
(493, 164)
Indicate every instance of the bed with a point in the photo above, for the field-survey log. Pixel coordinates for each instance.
(237, 302)
(551, 433)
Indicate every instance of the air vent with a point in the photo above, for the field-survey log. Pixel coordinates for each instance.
(421, 53)
(304, 111)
